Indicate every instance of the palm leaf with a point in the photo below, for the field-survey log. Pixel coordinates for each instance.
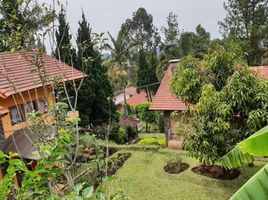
(254, 188)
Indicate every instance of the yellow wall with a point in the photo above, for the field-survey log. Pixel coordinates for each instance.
(17, 99)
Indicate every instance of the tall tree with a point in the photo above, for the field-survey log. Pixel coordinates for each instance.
(170, 48)
(143, 73)
(153, 62)
(247, 21)
(93, 103)
(172, 31)
(64, 50)
(201, 41)
(141, 30)
(195, 42)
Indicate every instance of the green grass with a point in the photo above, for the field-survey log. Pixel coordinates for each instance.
(151, 135)
(142, 178)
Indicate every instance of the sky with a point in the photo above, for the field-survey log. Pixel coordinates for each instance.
(108, 15)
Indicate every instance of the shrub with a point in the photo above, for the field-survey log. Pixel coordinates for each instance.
(131, 133)
(121, 137)
(178, 160)
(145, 114)
(153, 141)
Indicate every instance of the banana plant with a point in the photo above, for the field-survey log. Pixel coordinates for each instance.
(244, 152)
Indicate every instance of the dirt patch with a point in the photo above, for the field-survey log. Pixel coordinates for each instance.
(217, 172)
(174, 168)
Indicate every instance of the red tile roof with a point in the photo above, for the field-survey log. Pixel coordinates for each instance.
(137, 99)
(125, 122)
(261, 70)
(18, 72)
(130, 90)
(3, 110)
(164, 99)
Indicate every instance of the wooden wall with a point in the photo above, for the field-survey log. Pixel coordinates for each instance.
(22, 98)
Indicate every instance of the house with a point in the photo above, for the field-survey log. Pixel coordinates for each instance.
(164, 100)
(133, 97)
(24, 87)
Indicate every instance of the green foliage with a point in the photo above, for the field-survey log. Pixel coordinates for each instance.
(143, 74)
(235, 159)
(209, 140)
(64, 51)
(145, 114)
(172, 31)
(21, 24)
(195, 43)
(175, 160)
(153, 141)
(121, 136)
(254, 188)
(94, 103)
(170, 48)
(188, 80)
(141, 30)
(221, 63)
(247, 95)
(247, 22)
(255, 145)
(131, 133)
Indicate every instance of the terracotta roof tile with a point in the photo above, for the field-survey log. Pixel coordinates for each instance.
(137, 99)
(130, 90)
(18, 72)
(164, 99)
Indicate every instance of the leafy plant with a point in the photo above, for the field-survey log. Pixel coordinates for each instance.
(153, 141)
(145, 114)
(255, 145)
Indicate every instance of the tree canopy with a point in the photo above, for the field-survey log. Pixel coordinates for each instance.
(247, 22)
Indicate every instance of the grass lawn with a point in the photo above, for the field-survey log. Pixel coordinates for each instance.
(142, 178)
(151, 135)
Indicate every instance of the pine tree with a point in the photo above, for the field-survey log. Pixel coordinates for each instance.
(153, 63)
(93, 102)
(64, 50)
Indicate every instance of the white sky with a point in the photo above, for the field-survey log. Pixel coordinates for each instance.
(108, 15)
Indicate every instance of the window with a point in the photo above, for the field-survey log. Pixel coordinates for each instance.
(28, 107)
(42, 105)
(16, 114)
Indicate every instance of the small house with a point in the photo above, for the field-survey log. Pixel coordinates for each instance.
(27, 87)
(165, 101)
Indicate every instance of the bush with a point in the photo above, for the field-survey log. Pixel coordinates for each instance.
(131, 133)
(101, 131)
(153, 141)
(121, 137)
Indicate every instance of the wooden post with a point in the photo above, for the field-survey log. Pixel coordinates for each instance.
(167, 124)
